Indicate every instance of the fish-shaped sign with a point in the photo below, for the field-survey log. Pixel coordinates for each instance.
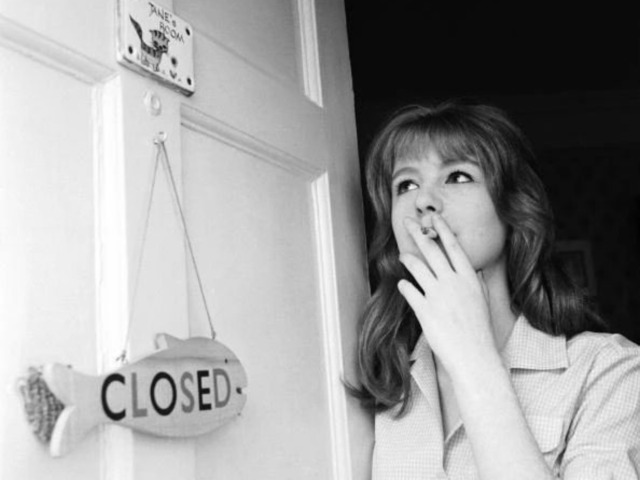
(188, 388)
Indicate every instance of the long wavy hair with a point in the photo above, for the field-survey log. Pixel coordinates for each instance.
(539, 287)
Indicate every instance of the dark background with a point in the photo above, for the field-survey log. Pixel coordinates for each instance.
(569, 75)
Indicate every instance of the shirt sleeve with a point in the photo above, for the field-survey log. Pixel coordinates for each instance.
(603, 441)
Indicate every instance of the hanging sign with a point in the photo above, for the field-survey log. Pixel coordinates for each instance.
(154, 41)
(188, 388)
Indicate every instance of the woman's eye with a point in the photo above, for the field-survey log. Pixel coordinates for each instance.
(459, 177)
(405, 186)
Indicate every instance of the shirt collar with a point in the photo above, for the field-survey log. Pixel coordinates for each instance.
(421, 349)
(531, 349)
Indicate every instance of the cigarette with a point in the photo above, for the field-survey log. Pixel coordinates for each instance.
(429, 231)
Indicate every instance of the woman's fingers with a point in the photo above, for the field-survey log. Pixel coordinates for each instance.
(457, 257)
(413, 297)
(420, 271)
(432, 254)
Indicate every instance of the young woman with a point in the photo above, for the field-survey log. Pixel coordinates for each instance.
(477, 352)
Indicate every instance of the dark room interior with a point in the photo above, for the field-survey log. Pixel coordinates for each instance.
(569, 77)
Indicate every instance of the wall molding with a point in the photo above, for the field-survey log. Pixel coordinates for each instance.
(52, 54)
(330, 308)
(309, 50)
(198, 121)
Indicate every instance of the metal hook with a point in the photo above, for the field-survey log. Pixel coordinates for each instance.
(160, 137)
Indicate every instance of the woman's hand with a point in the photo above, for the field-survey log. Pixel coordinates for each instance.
(454, 310)
(455, 317)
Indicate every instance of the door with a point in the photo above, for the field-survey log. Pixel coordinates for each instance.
(265, 158)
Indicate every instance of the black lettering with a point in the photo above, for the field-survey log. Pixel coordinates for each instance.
(202, 391)
(159, 12)
(114, 377)
(219, 372)
(177, 36)
(137, 412)
(159, 376)
(187, 408)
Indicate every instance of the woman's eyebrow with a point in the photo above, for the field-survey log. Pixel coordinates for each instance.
(447, 162)
(410, 169)
(404, 170)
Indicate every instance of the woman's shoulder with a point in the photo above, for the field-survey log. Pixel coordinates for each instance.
(602, 341)
(602, 350)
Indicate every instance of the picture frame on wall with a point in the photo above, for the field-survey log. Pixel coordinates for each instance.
(576, 258)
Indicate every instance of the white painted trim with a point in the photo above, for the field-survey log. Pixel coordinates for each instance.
(112, 277)
(110, 219)
(109, 213)
(200, 122)
(340, 445)
(309, 51)
(52, 54)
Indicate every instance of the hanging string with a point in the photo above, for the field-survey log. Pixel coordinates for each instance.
(161, 155)
(159, 140)
(122, 358)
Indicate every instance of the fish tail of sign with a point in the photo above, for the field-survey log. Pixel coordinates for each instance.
(76, 391)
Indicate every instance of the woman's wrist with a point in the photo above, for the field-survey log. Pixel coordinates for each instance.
(480, 376)
(495, 424)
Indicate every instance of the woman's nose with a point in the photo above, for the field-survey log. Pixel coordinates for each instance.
(428, 200)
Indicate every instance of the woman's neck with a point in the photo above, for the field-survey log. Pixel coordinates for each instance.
(503, 318)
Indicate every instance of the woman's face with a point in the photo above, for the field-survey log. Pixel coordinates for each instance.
(458, 191)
